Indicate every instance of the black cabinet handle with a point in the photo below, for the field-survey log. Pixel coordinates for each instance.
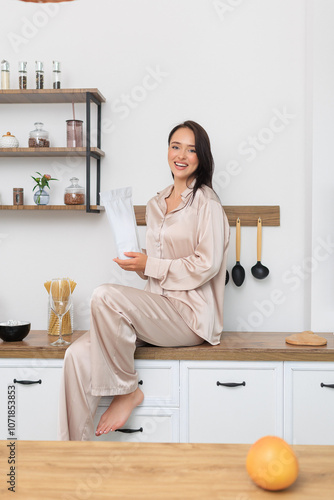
(27, 382)
(331, 386)
(140, 382)
(129, 431)
(231, 384)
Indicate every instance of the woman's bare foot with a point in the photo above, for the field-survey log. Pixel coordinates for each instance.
(119, 411)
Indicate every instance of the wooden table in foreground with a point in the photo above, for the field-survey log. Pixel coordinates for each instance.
(73, 470)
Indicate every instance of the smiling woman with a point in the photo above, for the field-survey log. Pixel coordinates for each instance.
(182, 305)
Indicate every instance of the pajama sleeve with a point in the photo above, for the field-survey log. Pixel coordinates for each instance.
(140, 273)
(188, 273)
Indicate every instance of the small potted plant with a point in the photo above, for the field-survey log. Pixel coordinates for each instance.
(41, 197)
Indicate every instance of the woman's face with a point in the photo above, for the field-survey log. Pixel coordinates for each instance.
(182, 157)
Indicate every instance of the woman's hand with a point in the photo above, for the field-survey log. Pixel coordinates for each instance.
(137, 262)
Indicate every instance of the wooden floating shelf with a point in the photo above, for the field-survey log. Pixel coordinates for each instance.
(77, 208)
(270, 215)
(249, 214)
(55, 152)
(16, 96)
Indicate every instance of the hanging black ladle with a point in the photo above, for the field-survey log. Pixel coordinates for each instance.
(238, 272)
(259, 271)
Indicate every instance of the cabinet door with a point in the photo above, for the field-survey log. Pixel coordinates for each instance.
(159, 381)
(36, 405)
(146, 425)
(309, 403)
(230, 402)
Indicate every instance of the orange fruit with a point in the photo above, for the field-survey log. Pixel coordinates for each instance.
(272, 464)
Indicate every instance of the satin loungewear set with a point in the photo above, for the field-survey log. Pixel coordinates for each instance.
(181, 305)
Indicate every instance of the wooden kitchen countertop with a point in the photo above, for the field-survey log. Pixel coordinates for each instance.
(241, 346)
(144, 471)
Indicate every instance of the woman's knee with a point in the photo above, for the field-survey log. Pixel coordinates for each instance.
(105, 293)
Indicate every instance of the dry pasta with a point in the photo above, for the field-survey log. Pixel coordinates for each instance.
(53, 321)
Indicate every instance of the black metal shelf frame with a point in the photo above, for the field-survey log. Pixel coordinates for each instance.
(91, 154)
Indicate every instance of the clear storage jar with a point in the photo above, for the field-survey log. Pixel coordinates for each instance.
(39, 69)
(39, 138)
(56, 73)
(5, 75)
(22, 75)
(74, 194)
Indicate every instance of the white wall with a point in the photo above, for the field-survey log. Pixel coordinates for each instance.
(233, 66)
(323, 168)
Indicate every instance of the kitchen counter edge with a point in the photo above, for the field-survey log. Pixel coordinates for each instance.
(238, 346)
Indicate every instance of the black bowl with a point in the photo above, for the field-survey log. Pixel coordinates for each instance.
(14, 333)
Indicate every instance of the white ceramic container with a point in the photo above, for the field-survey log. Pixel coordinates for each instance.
(9, 141)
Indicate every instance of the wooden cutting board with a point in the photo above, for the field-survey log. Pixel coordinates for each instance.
(305, 338)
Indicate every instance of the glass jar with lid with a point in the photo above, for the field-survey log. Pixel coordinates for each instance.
(39, 67)
(5, 75)
(56, 72)
(74, 194)
(39, 138)
(22, 75)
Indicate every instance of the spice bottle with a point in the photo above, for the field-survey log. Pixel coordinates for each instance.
(74, 194)
(17, 196)
(22, 75)
(56, 73)
(39, 75)
(5, 80)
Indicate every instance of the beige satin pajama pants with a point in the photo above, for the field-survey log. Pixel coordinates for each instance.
(101, 362)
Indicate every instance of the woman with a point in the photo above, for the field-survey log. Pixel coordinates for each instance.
(182, 304)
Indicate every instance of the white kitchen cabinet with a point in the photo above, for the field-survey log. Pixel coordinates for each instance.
(309, 402)
(36, 404)
(159, 381)
(157, 418)
(248, 407)
(145, 425)
(184, 403)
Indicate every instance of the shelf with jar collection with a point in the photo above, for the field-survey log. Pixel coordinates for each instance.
(60, 96)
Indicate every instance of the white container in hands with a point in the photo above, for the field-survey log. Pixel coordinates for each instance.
(122, 220)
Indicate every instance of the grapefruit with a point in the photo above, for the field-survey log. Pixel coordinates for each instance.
(272, 464)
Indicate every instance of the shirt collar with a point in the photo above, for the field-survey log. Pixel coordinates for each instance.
(167, 191)
(188, 190)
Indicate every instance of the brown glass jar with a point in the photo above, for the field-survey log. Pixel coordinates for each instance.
(74, 194)
(17, 196)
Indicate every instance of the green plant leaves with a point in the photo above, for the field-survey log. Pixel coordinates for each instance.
(42, 181)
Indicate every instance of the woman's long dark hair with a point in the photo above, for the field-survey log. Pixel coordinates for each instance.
(204, 171)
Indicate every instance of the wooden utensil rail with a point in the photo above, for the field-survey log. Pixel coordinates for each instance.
(249, 214)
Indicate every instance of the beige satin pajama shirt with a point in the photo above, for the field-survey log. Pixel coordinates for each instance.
(182, 305)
